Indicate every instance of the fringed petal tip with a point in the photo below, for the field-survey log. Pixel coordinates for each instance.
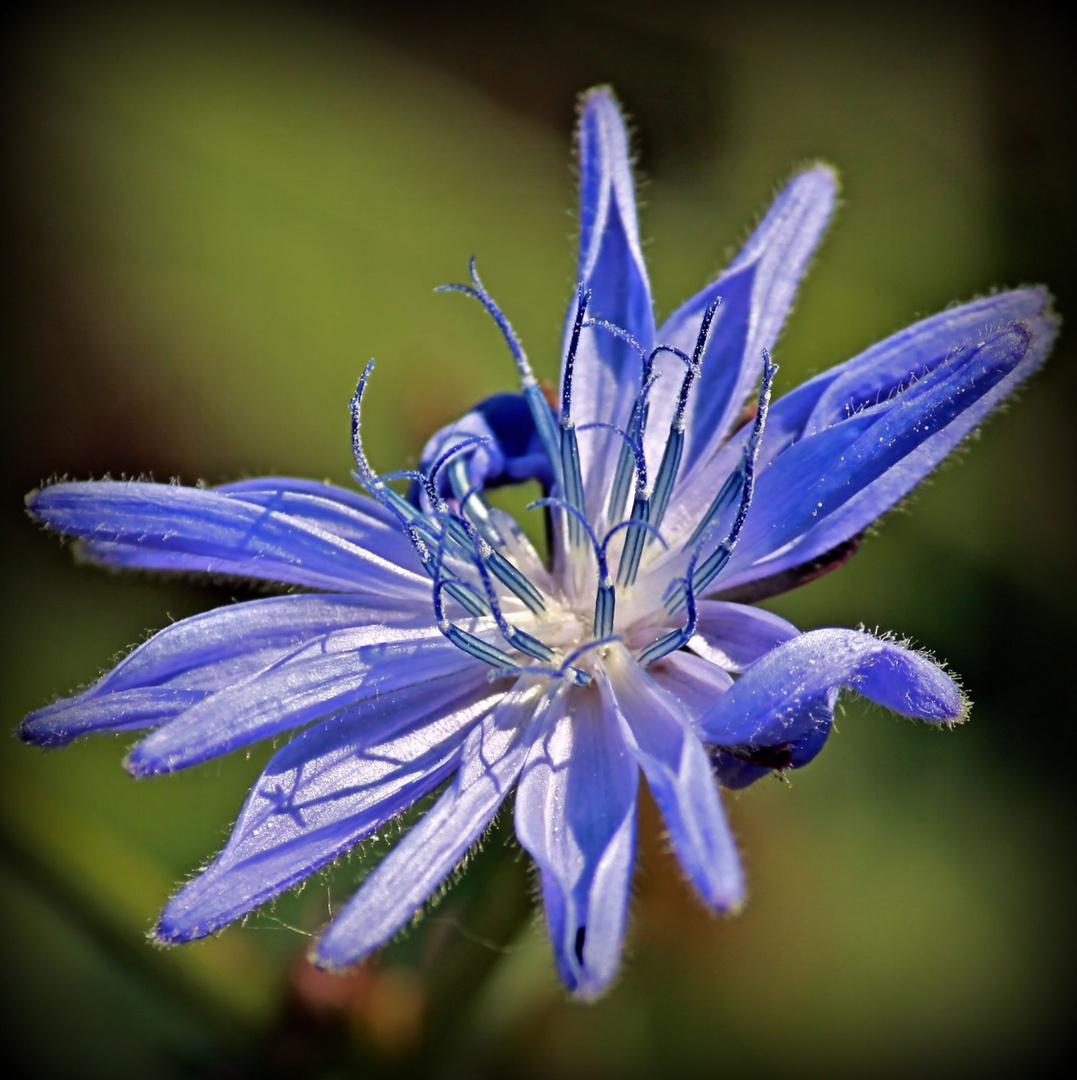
(36, 731)
(329, 960)
(589, 988)
(791, 692)
(601, 96)
(36, 503)
(196, 912)
(910, 681)
(60, 724)
(817, 181)
(163, 936)
(178, 925)
(141, 765)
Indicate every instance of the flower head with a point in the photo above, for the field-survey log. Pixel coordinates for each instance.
(434, 645)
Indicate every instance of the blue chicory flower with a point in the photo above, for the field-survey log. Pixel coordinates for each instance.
(433, 645)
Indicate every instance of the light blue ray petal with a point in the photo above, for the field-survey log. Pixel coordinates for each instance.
(608, 370)
(736, 635)
(197, 530)
(335, 671)
(863, 459)
(892, 364)
(348, 514)
(186, 662)
(657, 730)
(126, 710)
(757, 291)
(576, 815)
(325, 790)
(490, 762)
(697, 683)
(878, 375)
(264, 490)
(793, 688)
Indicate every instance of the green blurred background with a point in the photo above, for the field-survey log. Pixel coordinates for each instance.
(216, 214)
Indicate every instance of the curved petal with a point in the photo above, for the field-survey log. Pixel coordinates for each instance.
(167, 526)
(511, 452)
(697, 683)
(491, 759)
(196, 657)
(757, 292)
(576, 815)
(741, 767)
(659, 735)
(792, 690)
(608, 370)
(891, 365)
(324, 791)
(348, 514)
(884, 372)
(334, 671)
(736, 635)
(830, 485)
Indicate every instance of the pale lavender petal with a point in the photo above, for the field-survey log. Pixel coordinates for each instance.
(167, 526)
(608, 370)
(337, 670)
(324, 791)
(696, 682)
(736, 635)
(873, 378)
(196, 657)
(893, 364)
(658, 732)
(757, 291)
(490, 762)
(348, 514)
(576, 815)
(836, 481)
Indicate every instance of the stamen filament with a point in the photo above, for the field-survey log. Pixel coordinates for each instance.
(469, 643)
(634, 540)
(481, 553)
(671, 456)
(571, 473)
(471, 501)
(605, 602)
(540, 410)
(605, 599)
(667, 473)
(744, 479)
(676, 639)
(398, 506)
